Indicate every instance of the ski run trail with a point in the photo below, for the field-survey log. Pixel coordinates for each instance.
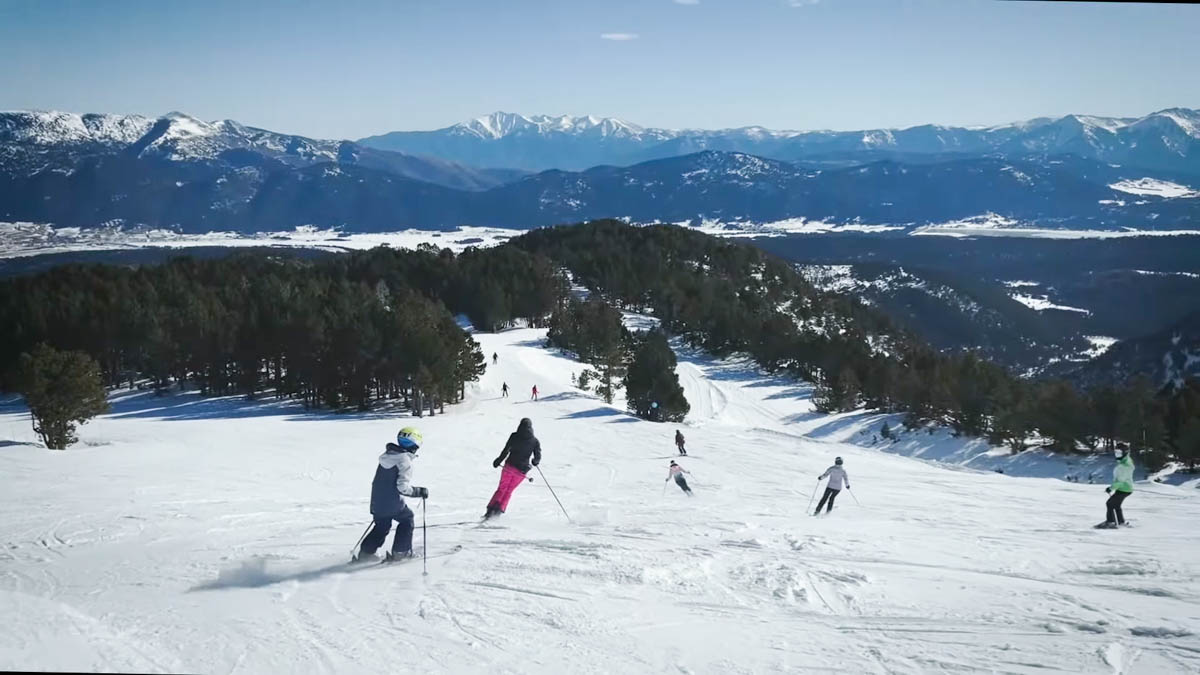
(211, 536)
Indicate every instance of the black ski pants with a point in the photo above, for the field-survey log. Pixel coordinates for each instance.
(830, 494)
(682, 483)
(1115, 515)
(401, 543)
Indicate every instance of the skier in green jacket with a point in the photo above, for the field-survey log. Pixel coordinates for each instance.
(1122, 487)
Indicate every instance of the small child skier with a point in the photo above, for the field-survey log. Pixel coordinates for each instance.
(837, 478)
(679, 443)
(675, 471)
(521, 453)
(1122, 487)
(393, 482)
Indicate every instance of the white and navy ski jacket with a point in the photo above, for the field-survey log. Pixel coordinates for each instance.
(837, 477)
(393, 480)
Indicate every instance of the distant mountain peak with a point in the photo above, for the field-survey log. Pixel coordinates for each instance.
(501, 124)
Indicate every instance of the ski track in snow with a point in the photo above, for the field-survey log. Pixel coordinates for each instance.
(211, 535)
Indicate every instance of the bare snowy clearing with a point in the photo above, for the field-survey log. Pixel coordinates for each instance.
(1156, 188)
(1043, 302)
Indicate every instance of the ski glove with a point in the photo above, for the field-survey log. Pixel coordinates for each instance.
(534, 462)
(421, 492)
(496, 463)
(1108, 490)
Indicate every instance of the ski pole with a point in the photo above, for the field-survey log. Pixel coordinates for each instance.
(664, 488)
(354, 551)
(564, 510)
(456, 524)
(852, 495)
(812, 496)
(424, 542)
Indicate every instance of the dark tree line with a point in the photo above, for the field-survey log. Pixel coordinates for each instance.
(343, 332)
(727, 297)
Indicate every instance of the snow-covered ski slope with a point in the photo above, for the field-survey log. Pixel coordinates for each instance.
(210, 536)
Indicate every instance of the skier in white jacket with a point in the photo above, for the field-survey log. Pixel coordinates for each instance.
(837, 478)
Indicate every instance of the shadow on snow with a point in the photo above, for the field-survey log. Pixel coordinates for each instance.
(190, 405)
(254, 574)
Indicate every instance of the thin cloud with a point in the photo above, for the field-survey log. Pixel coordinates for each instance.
(798, 3)
(687, 2)
(619, 37)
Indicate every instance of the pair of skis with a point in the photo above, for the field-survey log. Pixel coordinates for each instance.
(1113, 526)
(400, 561)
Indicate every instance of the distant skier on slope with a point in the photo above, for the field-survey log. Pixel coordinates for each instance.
(679, 443)
(393, 482)
(1122, 487)
(503, 390)
(675, 471)
(533, 396)
(521, 453)
(837, 478)
(495, 358)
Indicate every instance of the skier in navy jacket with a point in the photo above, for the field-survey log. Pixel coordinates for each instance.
(393, 482)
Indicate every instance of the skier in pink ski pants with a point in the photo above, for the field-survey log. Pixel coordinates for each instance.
(520, 454)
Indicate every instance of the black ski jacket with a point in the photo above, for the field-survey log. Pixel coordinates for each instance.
(523, 451)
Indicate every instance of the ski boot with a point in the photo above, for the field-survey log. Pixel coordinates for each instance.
(393, 556)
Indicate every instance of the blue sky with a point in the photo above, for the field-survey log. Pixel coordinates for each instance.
(348, 69)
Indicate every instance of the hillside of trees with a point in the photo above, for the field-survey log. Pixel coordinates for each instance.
(352, 330)
(727, 297)
(341, 332)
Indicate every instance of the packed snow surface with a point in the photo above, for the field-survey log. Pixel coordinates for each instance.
(211, 535)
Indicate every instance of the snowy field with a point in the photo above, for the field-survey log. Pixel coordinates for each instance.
(30, 239)
(210, 536)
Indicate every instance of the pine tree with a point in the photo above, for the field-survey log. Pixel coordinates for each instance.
(1013, 420)
(848, 390)
(886, 431)
(62, 389)
(651, 379)
(824, 396)
(1187, 443)
(1061, 415)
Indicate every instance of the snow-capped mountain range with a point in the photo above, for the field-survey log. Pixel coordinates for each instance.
(176, 171)
(1167, 139)
(36, 141)
(501, 124)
